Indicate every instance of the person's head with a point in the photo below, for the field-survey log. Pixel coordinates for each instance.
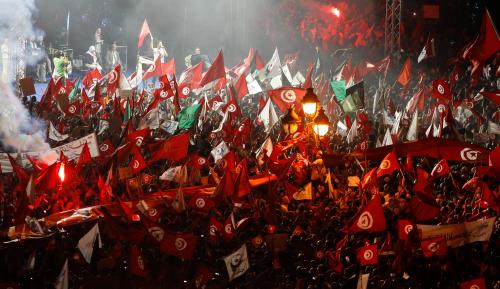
(98, 31)
(197, 50)
(114, 46)
(60, 53)
(160, 44)
(91, 49)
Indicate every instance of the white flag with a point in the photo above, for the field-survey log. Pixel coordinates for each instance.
(388, 120)
(103, 125)
(413, 129)
(276, 82)
(268, 115)
(169, 126)
(220, 151)
(62, 279)
(298, 79)
(55, 135)
(287, 73)
(151, 120)
(170, 174)
(124, 83)
(272, 68)
(304, 193)
(253, 85)
(353, 132)
(86, 243)
(363, 281)
(395, 126)
(237, 263)
(387, 138)
(493, 127)
(266, 147)
(341, 128)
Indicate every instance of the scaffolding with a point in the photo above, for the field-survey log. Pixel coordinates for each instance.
(392, 26)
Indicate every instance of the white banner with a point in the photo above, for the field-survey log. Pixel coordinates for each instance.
(71, 150)
(459, 234)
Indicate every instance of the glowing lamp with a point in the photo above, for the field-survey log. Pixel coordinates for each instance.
(310, 103)
(60, 173)
(321, 123)
(290, 122)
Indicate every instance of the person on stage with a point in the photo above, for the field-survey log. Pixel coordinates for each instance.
(112, 57)
(61, 65)
(99, 41)
(160, 51)
(91, 59)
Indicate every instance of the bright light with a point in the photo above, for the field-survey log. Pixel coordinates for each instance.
(321, 129)
(335, 11)
(309, 108)
(61, 172)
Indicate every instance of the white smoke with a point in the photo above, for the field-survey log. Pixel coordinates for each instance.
(18, 130)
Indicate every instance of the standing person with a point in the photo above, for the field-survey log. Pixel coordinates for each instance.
(91, 59)
(112, 57)
(99, 41)
(61, 64)
(160, 51)
(5, 61)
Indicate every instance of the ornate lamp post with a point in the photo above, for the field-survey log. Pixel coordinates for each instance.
(290, 121)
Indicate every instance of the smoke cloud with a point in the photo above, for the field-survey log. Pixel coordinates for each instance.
(19, 132)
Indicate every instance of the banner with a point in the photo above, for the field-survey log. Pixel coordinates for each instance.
(459, 234)
(71, 150)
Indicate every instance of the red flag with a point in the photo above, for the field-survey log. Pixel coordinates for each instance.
(242, 183)
(201, 203)
(486, 44)
(73, 109)
(370, 218)
(21, 174)
(441, 169)
(242, 134)
(137, 137)
(215, 71)
(143, 33)
(441, 90)
(174, 148)
(153, 70)
(175, 88)
(137, 266)
(417, 101)
(146, 179)
(284, 97)
(228, 233)
(181, 245)
(423, 211)
(197, 161)
(168, 68)
(388, 165)
(214, 229)
(190, 79)
(409, 167)
(368, 255)
(404, 75)
(85, 157)
(137, 163)
(91, 78)
(369, 179)
(106, 148)
(114, 80)
(404, 228)
(233, 108)
(473, 284)
(421, 181)
(241, 87)
(434, 247)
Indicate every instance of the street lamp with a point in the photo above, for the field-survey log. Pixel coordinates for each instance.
(310, 103)
(290, 122)
(321, 123)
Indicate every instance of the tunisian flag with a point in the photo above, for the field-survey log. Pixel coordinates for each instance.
(215, 71)
(484, 46)
(369, 179)
(114, 80)
(174, 148)
(370, 218)
(143, 33)
(368, 255)
(404, 228)
(441, 169)
(434, 247)
(473, 284)
(284, 97)
(180, 245)
(153, 70)
(441, 90)
(388, 165)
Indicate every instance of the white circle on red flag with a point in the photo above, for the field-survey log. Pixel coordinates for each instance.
(138, 141)
(228, 229)
(113, 76)
(135, 164)
(231, 108)
(152, 212)
(368, 254)
(475, 287)
(365, 221)
(433, 247)
(213, 230)
(468, 154)
(200, 203)
(440, 89)
(103, 147)
(72, 109)
(201, 161)
(180, 244)
(288, 96)
(385, 164)
(157, 233)
(186, 90)
(408, 229)
(439, 168)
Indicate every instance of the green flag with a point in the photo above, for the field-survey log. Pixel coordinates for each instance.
(127, 114)
(338, 88)
(188, 116)
(72, 95)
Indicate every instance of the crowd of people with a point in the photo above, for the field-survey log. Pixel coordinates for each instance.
(207, 190)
